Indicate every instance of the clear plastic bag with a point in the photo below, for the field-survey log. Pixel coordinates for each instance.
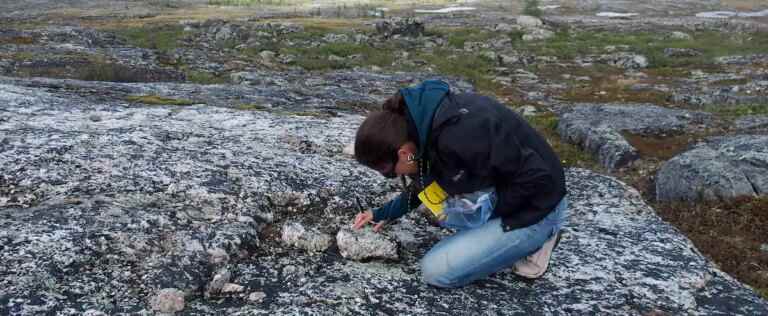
(467, 211)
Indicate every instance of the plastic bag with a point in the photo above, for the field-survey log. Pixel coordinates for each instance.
(467, 211)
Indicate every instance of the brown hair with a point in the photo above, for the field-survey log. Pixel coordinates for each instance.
(382, 133)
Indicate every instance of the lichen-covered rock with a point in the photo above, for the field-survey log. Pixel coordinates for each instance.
(722, 168)
(155, 197)
(409, 27)
(529, 21)
(365, 244)
(220, 279)
(598, 127)
(297, 235)
(538, 35)
(168, 301)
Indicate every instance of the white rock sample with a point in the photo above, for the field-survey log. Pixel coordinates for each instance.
(168, 301)
(365, 244)
(295, 234)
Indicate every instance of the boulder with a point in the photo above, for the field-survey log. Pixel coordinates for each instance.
(677, 35)
(408, 27)
(721, 168)
(681, 52)
(365, 244)
(538, 35)
(297, 235)
(528, 21)
(597, 127)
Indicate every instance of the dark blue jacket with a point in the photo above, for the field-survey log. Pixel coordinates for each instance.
(474, 142)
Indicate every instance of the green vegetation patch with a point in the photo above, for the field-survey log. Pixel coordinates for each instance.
(350, 55)
(204, 77)
(160, 37)
(570, 155)
(159, 100)
(736, 111)
(570, 44)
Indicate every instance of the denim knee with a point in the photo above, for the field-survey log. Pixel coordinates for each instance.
(433, 273)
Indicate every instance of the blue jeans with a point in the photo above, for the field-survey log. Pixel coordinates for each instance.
(474, 254)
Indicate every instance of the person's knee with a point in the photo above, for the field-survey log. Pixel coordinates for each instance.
(433, 273)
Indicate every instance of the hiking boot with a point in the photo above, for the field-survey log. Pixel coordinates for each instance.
(535, 265)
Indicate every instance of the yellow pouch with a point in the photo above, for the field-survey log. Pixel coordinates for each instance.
(433, 197)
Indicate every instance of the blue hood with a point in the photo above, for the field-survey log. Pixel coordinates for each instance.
(422, 101)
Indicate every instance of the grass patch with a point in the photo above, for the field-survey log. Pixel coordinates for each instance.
(251, 107)
(736, 111)
(17, 40)
(570, 155)
(162, 37)
(570, 44)
(474, 68)
(729, 232)
(317, 58)
(204, 77)
(159, 100)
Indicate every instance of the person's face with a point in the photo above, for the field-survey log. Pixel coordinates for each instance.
(400, 163)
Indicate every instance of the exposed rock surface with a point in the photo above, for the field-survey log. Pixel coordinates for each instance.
(365, 244)
(721, 168)
(410, 27)
(598, 127)
(297, 235)
(139, 210)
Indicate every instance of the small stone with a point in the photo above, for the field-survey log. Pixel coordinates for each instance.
(94, 312)
(349, 150)
(218, 256)
(168, 300)
(504, 27)
(232, 288)
(538, 34)
(216, 285)
(267, 56)
(679, 36)
(529, 21)
(257, 297)
(764, 247)
(94, 118)
(527, 110)
(365, 244)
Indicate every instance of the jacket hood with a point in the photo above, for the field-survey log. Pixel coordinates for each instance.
(422, 101)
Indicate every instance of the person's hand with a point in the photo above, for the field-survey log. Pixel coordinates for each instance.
(364, 218)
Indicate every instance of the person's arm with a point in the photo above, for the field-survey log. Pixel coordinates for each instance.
(396, 207)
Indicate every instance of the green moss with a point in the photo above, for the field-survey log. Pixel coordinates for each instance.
(251, 107)
(736, 111)
(158, 100)
(317, 58)
(763, 292)
(570, 155)
(475, 68)
(163, 37)
(569, 44)
(203, 77)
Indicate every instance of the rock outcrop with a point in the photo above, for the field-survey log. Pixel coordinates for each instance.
(150, 205)
(598, 127)
(721, 168)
